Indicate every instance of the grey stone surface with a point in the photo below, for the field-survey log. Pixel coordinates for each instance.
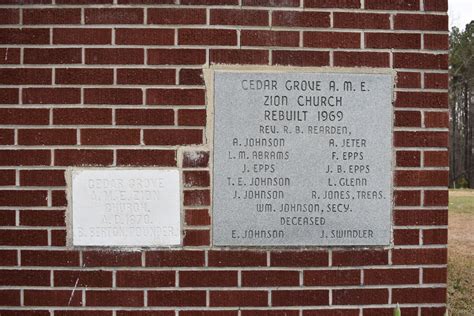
(302, 159)
(127, 207)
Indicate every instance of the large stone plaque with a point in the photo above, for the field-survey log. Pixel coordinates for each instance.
(132, 208)
(302, 158)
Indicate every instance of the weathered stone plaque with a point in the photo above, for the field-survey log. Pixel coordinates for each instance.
(302, 158)
(131, 208)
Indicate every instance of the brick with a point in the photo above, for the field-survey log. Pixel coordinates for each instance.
(111, 259)
(409, 158)
(436, 198)
(269, 38)
(177, 298)
(420, 61)
(163, 158)
(406, 237)
(52, 56)
(437, 119)
(7, 177)
(89, 312)
(436, 5)
(331, 39)
(300, 298)
(300, 58)
(197, 237)
(436, 41)
(9, 16)
(175, 97)
(361, 20)
(196, 179)
(24, 36)
(270, 278)
(210, 37)
(52, 298)
(433, 311)
(407, 197)
(436, 80)
(421, 178)
(237, 258)
(347, 4)
(59, 198)
(114, 136)
(172, 137)
(197, 198)
(82, 116)
(239, 56)
(419, 256)
(192, 117)
(239, 17)
(238, 298)
(23, 198)
(422, 100)
(25, 277)
(331, 277)
(174, 258)
(52, 16)
(42, 178)
(25, 157)
(23, 312)
(112, 56)
(420, 217)
(393, 40)
(191, 77)
(209, 2)
(207, 278)
(10, 298)
(435, 237)
(84, 76)
(8, 257)
(407, 119)
(83, 157)
(271, 3)
(176, 16)
(49, 258)
(176, 56)
(197, 217)
(421, 139)
(42, 218)
(145, 278)
(144, 37)
(391, 276)
(82, 36)
(436, 159)
(360, 296)
(146, 313)
(47, 137)
(195, 159)
(58, 237)
(28, 76)
(331, 312)
(413, 5)
(146, 1)
(146, 76)
(359, 257)
(8, 96)
(115, 298)
(419, 295)
(84, 1)
(361, 59)
(83, 278)
(144, 117)
(435, 275)
(113, 16)
(299, 259)
(7, 136)
(423, 22)
(10, 55)
(112, 96)
(273, 312)
(413, 311)
(300, 19)
(408, 79)
(51, 96)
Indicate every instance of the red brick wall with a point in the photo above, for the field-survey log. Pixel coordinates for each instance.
(118, 83)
